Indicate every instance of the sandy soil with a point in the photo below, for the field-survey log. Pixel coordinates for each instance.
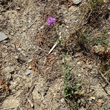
(30, 39)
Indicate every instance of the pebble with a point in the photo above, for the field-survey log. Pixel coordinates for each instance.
(62, 100)
(78, 63)
(29, 60)
(28, 72)
(79, 75)
(2, 36)
(92, 98)
(16, 57)
(108, 32)
(8, 76)
(105, 1)
(8, 69)
(76, 2)
(12, 33)
(29, 67)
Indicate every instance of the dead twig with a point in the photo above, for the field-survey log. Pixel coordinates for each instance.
(28, 27)
(7, 108)
(104, 78)
(32, 105)
(7, 7)
(30, 91)
(55, 44)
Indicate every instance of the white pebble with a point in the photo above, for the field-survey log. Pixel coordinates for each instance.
(28, 72)
(76, 2)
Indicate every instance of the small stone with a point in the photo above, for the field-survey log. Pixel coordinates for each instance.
(100, 102)
(108, 32)
(78, 63)
(105, 1)
(7, 72)
(8, 76)
(79, 75)
(92, 98)
(12, 33)
(2, 36)
(29, 60)
(23, 54)
(62, 100)
(82, 108)
(16, 57)
(28, 72)
(18, 8)
(8, 69)
(76, 2)
(30, 67)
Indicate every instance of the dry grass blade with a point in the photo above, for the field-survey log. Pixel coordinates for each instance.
(55, 44)
(104, 78)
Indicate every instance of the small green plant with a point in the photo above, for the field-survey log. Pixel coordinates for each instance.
(95, 12)
(72, 88)
(95, 4)
(83, 39)
(104, 107)
(102, 39)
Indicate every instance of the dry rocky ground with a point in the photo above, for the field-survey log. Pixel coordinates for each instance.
(30, 79)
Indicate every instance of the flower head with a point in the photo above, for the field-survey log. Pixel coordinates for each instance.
(51, 21)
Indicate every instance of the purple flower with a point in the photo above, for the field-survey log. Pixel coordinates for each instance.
(51, 21)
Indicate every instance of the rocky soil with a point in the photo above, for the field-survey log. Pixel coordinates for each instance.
(32, 79)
